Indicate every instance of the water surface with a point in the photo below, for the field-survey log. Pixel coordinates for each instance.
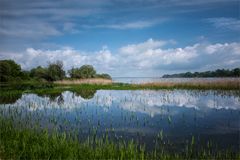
(209, 116)
(137, 80)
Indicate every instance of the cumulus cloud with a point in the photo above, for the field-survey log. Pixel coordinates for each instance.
(149, 56)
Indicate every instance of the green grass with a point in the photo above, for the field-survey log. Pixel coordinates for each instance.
(30, 144)
(25, 143)
(152, 86)
(201, 85)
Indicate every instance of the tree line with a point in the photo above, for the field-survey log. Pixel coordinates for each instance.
(217, 73)
(11, 71)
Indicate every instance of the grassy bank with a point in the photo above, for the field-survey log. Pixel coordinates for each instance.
(96, 84)
(223, 84)
(23, 143)
(12, 91)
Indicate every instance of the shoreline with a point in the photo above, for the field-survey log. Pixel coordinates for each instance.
(106, 84)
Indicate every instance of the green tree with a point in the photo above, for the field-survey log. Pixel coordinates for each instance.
(74, 73)
(104, 75)
(39, 73)
(55, 71)
(236, 72)
(85, 71)
(9, 70)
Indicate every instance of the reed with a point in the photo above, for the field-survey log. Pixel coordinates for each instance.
(25, 143)
(196, 84)
(85, 81)
(224, 84)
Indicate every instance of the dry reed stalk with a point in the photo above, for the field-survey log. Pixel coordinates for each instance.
(197, 83)
(85, 81)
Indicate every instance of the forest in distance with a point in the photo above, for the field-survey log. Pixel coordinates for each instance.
(217, 73)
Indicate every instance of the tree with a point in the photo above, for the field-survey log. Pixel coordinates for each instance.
(9, 70)
(104, 75)
(55, 71)
(85, 71)
(217, 73)
(74, 73)
(39, 73)
(236, 72)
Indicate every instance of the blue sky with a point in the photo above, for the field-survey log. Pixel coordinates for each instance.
(122, 37)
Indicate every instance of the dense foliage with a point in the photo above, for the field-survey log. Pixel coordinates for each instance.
(9, 71)
(86, 71)
(104, 75)
(39, 73)
(217, 73)
(55, 71)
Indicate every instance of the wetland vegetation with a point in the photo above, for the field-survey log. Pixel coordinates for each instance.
(44, 115)
(114, 124)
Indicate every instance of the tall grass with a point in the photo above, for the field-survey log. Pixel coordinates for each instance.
(219, 84)
(25, 143)
(224, 84)
(85, 81)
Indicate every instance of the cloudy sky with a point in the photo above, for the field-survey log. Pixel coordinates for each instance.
(122, 37)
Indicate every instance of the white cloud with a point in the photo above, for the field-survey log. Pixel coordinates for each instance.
(141, 47)
(129, 25)
(142, 59)
(225, 23)
(28, 29)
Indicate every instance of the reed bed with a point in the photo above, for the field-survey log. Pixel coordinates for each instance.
(196, 84)
(25, 143)
(225, 84)
(85, 81)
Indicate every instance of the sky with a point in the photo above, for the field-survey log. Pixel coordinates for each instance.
(136, 38)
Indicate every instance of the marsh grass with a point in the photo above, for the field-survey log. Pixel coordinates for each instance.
(224, 84)
(85, 81)
(219, 84)
(25, 143)
(96, 84)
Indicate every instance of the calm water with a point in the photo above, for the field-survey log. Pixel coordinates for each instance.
(209, 116)
(159, 79)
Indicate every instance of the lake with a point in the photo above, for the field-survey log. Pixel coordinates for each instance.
(159, 79)
(145, 116)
